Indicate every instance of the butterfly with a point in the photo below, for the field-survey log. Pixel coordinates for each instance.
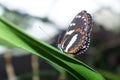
(76, 39)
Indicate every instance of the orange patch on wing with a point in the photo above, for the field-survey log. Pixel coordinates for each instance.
(78, 30)
(61, 42)
(80, 43)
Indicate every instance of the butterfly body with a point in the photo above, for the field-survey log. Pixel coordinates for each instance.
(76, 40)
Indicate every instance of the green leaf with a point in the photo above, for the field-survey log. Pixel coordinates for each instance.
(109, 75)
(5, 43)
(77, 69)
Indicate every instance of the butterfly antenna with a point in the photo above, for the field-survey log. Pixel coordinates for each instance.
(45, 32)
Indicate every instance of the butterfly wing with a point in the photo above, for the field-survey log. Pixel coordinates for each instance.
(76, 40)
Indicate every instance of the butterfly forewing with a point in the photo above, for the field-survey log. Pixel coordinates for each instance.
(76, 40)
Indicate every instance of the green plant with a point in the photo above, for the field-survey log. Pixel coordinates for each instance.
(77, 69)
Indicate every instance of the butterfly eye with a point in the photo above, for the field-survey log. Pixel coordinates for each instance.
(76, 40)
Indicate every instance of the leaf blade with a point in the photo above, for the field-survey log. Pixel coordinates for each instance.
(76, 68)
